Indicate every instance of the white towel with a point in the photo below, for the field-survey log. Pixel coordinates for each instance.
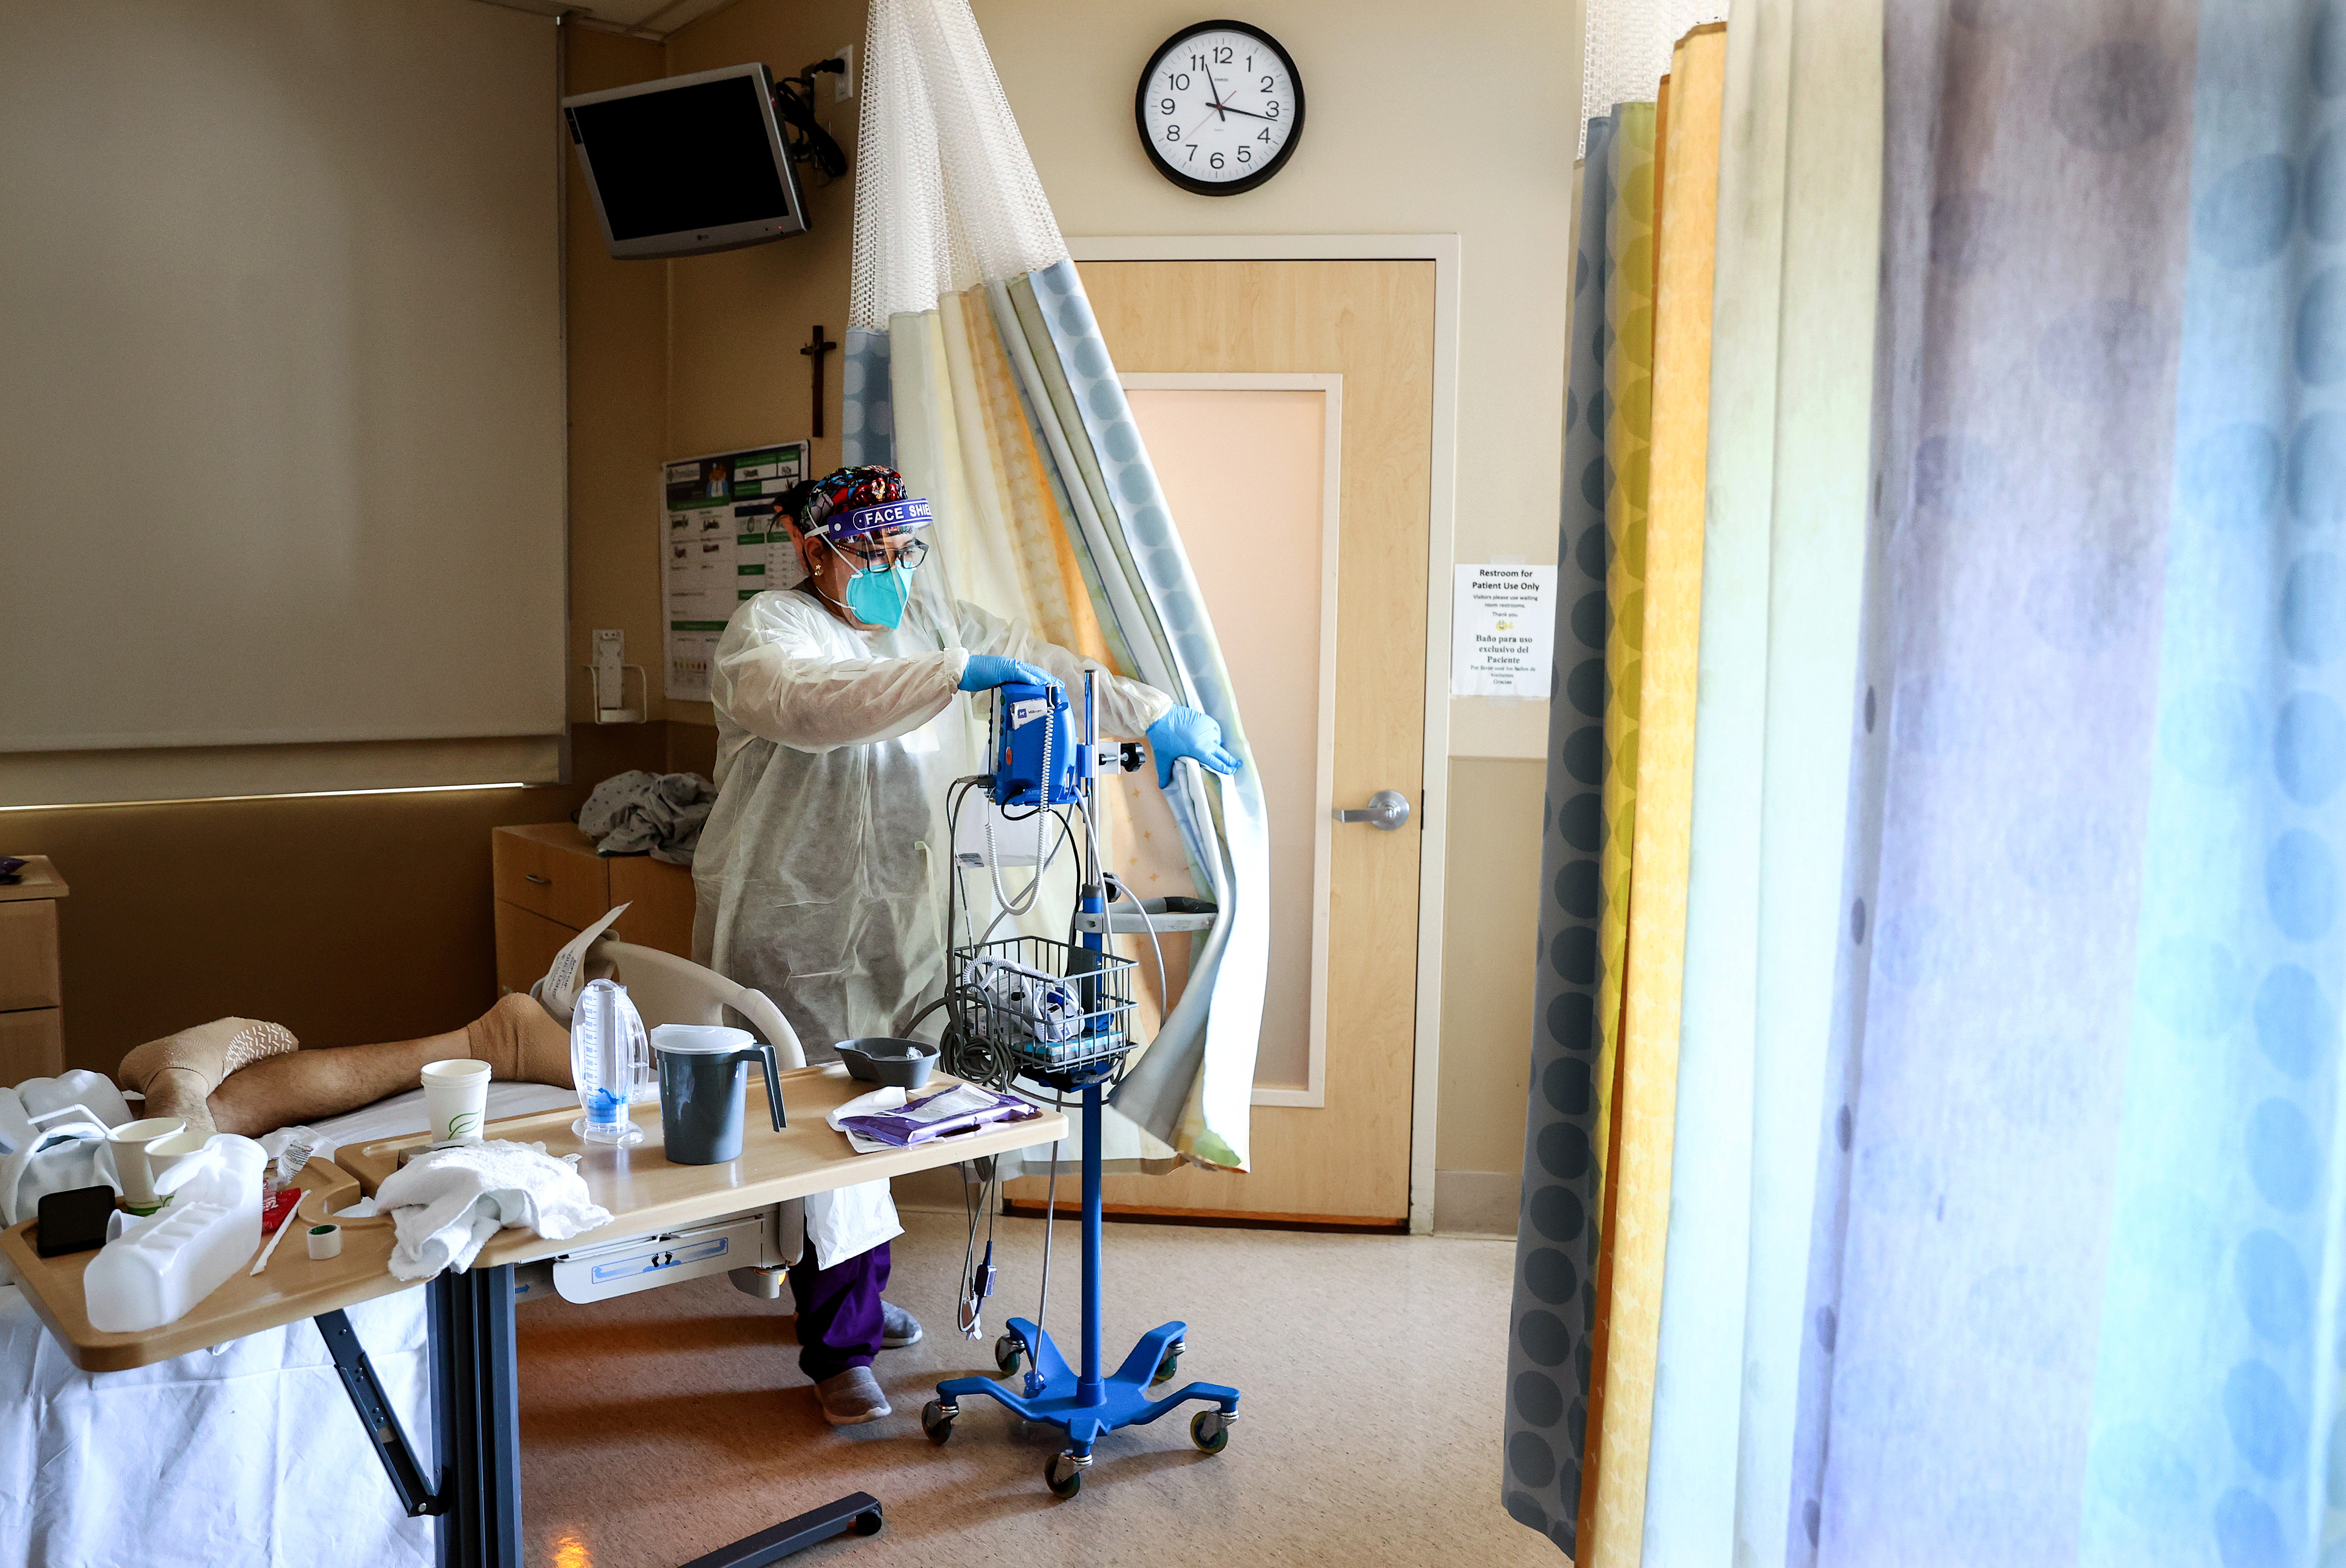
(445, 1204)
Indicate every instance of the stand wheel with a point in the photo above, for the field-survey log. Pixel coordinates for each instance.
(1007, 1352)
(1210, 1431)
(938, 1425)
(868, 1522)
(1167, 1367)
(1063, 1475)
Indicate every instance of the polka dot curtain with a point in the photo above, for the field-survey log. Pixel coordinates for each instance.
(2006, 1221)
(1550, 1354)
(2076, 1272)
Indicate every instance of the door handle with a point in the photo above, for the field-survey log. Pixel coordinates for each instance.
(1386, 810)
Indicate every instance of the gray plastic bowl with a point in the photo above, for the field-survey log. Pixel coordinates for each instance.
(899, 1064)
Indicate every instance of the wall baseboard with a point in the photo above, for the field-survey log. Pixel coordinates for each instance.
(1477, 1203)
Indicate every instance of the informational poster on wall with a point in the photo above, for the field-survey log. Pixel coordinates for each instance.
(718, 545)
(1502, 630)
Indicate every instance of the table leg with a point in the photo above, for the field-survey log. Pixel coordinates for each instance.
(476, 1417)
(477, 1420)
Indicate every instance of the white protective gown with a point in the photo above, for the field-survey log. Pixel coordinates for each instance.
(820, 875)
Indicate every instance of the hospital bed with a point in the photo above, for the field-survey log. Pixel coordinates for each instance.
(249, 1453)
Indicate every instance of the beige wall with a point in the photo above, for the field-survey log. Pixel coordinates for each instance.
(736, 319)
(351, 918)
(1388, 147)
(618, 402)
(1490, 942)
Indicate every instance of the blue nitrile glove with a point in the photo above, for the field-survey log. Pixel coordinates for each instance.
(986, 671)
(1185, 732)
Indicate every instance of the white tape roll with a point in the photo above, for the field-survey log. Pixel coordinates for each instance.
(325, 1241)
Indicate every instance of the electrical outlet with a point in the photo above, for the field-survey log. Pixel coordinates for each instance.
(842, 85)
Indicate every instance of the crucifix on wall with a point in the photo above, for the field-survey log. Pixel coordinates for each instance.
(816, 348)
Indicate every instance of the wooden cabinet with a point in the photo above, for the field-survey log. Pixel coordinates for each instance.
(32, 999)
(550, 885)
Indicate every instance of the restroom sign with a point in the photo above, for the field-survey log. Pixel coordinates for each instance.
(1502, 630)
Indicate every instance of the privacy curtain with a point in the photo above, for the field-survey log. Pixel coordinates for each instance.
(1551, 1348)
(2107, 788)
(1630, 548)
(1668, 625)
(974, 366)
(1780, 713)
(2024, 1143)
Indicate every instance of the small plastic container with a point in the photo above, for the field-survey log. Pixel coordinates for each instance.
(157, 1270)
(899, 1064)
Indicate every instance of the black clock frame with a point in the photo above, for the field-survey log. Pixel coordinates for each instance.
(1231, 187)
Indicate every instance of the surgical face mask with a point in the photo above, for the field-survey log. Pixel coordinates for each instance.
(877, 598)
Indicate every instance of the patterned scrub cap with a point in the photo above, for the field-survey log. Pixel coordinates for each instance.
(849, 502)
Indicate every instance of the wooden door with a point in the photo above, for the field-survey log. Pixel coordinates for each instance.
(1370, 323)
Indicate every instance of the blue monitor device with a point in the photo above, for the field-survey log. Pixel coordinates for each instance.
(1029, 721)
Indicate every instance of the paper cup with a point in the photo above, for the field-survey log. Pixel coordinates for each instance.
(455, 1100)
(164, 1153)
(130, 1141)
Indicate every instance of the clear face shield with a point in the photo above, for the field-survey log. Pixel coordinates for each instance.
(882, 544)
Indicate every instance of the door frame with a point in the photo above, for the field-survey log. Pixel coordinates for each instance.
(1443, 251)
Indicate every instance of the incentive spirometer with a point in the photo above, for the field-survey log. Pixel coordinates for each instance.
(1039, 1016)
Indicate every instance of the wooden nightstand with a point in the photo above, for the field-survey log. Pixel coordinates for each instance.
(550, 885)
(32, 999)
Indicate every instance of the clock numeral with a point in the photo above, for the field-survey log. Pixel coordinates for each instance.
(1263, 136)
(1193, 152)
(1222, 57)
(1269, 85)
(1245, 155)
(1250, 65)
(1172, 133)
(1179, 81)
(1270, 108)
(1215, 161)
(1196, 62)
(1165, 105)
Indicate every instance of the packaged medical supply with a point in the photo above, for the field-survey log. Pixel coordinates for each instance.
(960, 1109)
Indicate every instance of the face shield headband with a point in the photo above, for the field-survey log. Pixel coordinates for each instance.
(876, 595)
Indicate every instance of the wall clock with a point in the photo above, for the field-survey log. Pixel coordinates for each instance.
(1220, 107)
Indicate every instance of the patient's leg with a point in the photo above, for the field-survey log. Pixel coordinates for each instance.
(516, 1038)
(178, 1072)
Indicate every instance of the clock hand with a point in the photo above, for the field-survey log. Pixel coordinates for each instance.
(1249, 113)
(1218, 104)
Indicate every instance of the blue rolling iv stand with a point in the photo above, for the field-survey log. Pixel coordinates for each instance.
(1059, 1015)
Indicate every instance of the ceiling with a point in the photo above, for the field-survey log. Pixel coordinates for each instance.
(644, 18)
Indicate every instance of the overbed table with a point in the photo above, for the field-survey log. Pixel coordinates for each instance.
(475, 1395)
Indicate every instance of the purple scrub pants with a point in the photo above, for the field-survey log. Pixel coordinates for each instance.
(839, 1311)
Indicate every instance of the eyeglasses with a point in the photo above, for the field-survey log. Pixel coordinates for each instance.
(908, 554)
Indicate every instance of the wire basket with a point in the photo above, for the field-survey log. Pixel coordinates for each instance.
(1031, 1004)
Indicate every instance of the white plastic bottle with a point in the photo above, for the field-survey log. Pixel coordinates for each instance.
(159, 1268)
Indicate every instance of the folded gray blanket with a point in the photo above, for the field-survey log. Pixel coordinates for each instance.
(631, 813)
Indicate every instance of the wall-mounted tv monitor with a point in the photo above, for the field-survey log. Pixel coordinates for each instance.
(687, 164)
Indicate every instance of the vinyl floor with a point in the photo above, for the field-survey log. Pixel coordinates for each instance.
(663, 1425)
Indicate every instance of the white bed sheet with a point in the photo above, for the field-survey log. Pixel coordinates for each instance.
(247, 1453)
